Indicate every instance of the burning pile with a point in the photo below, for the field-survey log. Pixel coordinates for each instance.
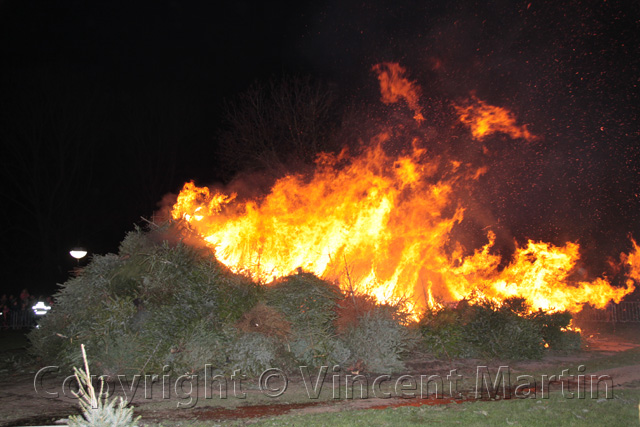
(382, 224)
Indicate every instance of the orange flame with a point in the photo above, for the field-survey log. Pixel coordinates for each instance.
(379, 215)
(384, 220)
(382, 224)
(539, 273)
(632, 260)
(394, 86)
(484, 119)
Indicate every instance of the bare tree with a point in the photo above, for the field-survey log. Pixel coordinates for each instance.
(277, 125)
(46, 166)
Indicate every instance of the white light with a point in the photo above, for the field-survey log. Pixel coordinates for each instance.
(41, 308)
(78, 253)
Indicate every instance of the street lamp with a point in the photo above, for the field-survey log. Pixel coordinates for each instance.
(78, 253)
(41, 308)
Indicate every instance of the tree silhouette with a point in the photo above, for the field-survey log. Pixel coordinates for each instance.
(279, 125)
(47, 131)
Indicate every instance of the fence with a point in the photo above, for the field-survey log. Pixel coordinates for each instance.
(18, 319)
(623, 312)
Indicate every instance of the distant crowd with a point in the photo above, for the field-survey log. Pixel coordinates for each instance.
(17, 312)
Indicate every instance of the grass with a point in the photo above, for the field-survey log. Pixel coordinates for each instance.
(13, 355)
(623, 358)
(556, 410)
(621, 410)
(13, 340)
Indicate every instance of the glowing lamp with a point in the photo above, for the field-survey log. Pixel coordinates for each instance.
(41, 308)
(78, 253)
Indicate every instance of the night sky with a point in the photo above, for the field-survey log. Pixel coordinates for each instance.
(105, 107)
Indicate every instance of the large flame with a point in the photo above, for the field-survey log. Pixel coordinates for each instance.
(382, 224)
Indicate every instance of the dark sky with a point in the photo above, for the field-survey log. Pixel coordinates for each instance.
(107, 106)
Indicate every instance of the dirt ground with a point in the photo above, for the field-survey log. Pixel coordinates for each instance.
(27, 398)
